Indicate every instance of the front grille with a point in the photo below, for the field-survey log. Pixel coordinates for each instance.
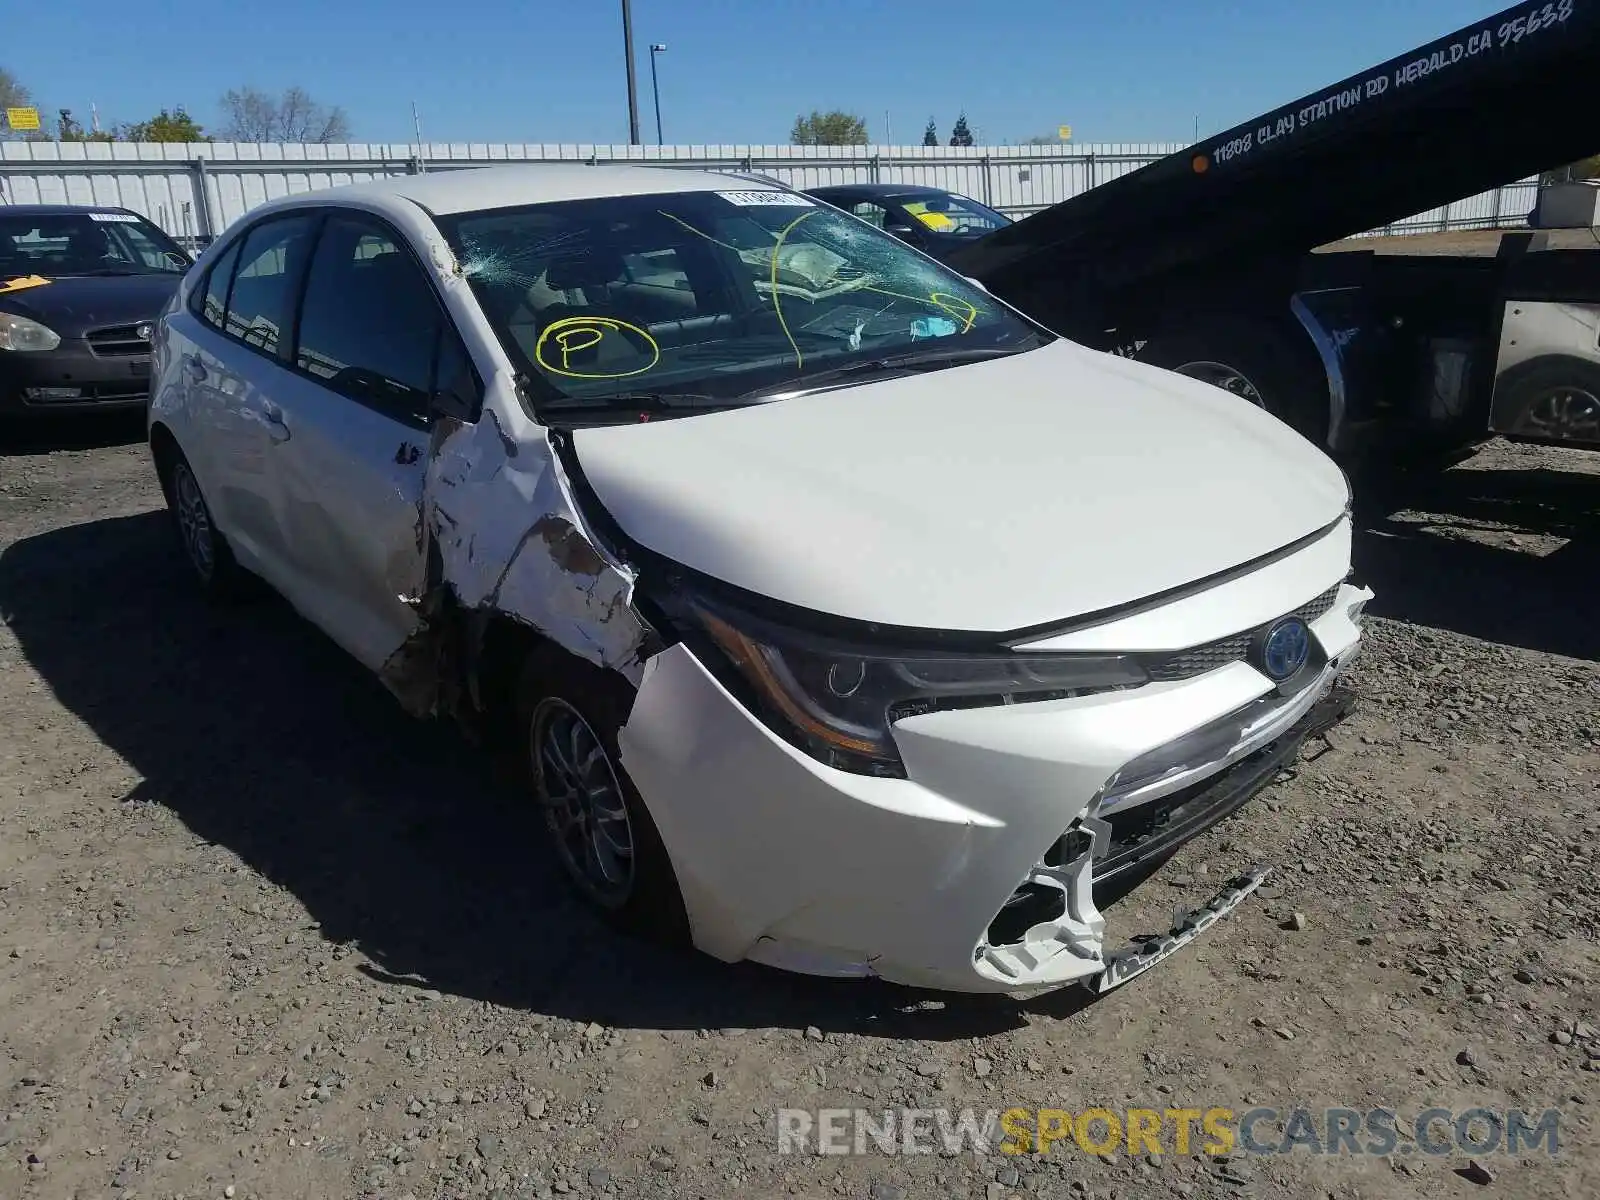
(102, 393)
(1199, 659)
(117, 341)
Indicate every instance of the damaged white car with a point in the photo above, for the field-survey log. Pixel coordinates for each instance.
(848, 621)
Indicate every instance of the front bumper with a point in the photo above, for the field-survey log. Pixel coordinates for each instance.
(785, 861)
(71, 379)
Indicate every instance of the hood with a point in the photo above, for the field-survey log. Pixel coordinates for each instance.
(991, 497)
(73, 305)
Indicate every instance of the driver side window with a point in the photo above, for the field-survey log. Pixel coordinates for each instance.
(370, 325)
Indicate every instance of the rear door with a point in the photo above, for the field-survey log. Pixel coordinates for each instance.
(372, 340)
(235, 374)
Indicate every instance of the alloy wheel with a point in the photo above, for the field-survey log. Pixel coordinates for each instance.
(1568, 413)
(583, 802)
(194, 522)
(1229, 379)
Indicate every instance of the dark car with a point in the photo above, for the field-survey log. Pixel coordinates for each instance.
(80, 290)
(931, 219)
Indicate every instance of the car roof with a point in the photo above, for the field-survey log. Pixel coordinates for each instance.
(474, 189)
(880, 189)
(58, 210)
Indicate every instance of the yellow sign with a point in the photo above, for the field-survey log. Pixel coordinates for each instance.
(935, 220)
(27, 281)
(22, 119)
(1064, 132)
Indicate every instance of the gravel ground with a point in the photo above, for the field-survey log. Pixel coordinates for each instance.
(263, 936)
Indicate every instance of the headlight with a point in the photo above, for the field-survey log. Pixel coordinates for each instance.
(19, 333)
(838, 702)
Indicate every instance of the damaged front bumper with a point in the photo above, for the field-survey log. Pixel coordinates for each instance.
(977, 871)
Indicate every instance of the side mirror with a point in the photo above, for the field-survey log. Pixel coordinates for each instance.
(179, 259)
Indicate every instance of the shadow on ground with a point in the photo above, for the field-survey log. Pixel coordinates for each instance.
(398, 836)
(1425, 572)
(95, 431)
(404, 841)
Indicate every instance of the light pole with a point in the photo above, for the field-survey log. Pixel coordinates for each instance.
(655, 89)
(633, 92)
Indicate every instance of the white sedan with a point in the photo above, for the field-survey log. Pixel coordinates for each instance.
(848, 620)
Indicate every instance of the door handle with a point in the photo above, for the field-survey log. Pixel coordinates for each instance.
(277, 430)
(194, 368)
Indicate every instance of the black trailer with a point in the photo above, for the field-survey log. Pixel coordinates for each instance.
(1206, 261)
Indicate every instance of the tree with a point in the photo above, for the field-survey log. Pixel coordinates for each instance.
(1043, 139)
(254, 116)
(70, 129)
(834, 128)
(930, 135)
(175, 126)
(960, 135)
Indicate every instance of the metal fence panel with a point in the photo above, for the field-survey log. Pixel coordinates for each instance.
(194, 191)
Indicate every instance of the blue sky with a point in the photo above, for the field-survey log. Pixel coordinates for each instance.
(546, 71)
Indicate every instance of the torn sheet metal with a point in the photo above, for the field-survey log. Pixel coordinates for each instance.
(506, 537)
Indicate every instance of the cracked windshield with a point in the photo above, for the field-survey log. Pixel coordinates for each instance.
(711, 298)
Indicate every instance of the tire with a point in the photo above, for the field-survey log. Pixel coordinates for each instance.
(1278, 367)
(564, 704)
(1554, 400)
(217, 572)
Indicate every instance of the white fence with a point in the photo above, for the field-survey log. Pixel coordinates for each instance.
(194, 191)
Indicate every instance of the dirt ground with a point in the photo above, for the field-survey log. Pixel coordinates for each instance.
(261, 935)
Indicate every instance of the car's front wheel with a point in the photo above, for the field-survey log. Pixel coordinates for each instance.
(569, 714)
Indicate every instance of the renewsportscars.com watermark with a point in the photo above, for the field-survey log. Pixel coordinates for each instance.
(1215, 1131)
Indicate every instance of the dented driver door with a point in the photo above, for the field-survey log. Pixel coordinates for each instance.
(351, 462)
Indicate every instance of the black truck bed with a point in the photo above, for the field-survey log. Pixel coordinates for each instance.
(1503, 98)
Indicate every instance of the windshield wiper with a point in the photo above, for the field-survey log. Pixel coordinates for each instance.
(637, 402)
(925, 360)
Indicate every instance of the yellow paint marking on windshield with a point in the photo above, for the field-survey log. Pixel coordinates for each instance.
(961, 310)
(698, 233)
(27, 281)
(777, 301)
(572, 334)
(953, 305)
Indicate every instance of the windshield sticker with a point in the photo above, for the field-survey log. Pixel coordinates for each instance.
(758, 199)
(118, 218)
(27, 281)
(573, 335)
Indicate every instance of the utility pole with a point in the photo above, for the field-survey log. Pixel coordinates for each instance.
(655, 88)
(633, 89)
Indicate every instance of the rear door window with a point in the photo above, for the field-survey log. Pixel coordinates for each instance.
(213, 305)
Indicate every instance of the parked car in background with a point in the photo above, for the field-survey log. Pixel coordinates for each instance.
(845, 620)
(931, 219)
(80, 291)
